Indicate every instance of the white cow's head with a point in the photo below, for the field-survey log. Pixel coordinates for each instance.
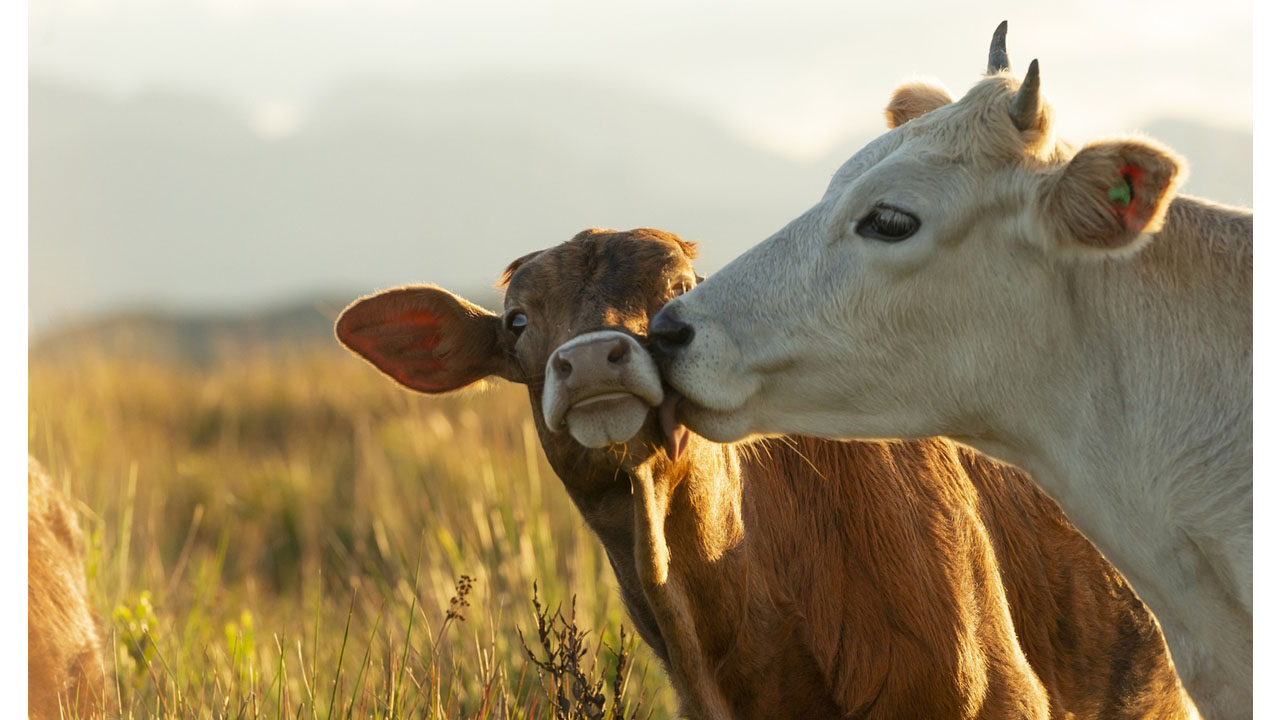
(929, 274)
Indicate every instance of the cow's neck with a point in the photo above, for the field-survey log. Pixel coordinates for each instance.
(1139, 418)
(639, 512)
(1144, 376)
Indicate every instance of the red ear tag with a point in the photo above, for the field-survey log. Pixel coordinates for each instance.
(1131, 181)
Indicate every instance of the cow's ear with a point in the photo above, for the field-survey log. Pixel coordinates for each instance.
(426, 338)
(914, 99)
(1111, 196)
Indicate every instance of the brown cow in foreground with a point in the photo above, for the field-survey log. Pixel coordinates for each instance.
(788, 577)
(65, 674)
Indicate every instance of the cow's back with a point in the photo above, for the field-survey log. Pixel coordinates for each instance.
(64, 646)
(931, 575)
(878, 548)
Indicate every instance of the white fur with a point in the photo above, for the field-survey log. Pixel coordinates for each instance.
(1122, 383)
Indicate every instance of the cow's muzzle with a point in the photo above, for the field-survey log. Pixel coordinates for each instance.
(600, 386)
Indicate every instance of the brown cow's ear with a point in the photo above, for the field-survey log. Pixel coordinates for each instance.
(1111, 196)
(914, 99)
(426, 338)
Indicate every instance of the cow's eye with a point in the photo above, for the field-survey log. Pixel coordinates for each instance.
(516, 321)
(887, 224)
(683, 286)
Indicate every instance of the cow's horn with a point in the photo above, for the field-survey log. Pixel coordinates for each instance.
(1025, 108)
(998, 57)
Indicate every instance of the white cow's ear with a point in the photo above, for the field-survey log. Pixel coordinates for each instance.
(1110, 197)
(914, 99)
(426, 338)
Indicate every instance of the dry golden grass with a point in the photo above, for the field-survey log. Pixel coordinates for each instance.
(280, 534)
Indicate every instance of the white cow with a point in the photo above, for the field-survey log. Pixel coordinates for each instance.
(967, 274)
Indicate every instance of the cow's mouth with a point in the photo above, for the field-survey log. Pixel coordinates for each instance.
(606, 418)
(601, 386)
(675, 436)
(602, 397)
(617, 417)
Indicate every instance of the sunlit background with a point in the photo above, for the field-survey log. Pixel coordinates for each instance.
(211, 181)
(229, 156)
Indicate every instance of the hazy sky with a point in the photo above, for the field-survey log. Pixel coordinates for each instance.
(186, 221)
(794, 77)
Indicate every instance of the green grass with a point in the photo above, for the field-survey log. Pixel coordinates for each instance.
(285, 534)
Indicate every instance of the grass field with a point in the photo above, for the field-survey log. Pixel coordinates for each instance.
(284, 533)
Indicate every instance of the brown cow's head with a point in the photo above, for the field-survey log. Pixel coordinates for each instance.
(572, 330)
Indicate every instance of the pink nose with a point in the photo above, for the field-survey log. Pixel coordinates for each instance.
(591, 361)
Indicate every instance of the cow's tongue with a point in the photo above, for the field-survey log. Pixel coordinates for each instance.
(675, 435)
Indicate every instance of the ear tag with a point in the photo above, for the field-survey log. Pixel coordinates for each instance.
(1120, 192)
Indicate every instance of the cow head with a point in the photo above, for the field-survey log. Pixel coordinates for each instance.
(573, 330)
(938, 256)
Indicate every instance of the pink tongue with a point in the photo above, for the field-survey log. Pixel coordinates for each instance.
(675, 435)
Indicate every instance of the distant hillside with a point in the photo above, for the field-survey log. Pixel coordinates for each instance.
(191, 339)
(171, 200)
(199, 339)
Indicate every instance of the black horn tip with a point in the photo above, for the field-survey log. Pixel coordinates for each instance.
(1025, 108)
(1033, 73)
(998, 56)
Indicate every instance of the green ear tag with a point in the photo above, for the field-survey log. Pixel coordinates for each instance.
(1120, 192)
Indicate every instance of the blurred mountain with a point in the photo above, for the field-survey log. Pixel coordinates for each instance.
(196, 339)
(201, 338)
(170, 202)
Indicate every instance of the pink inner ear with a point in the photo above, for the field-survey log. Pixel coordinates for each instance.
(424, 338)
(392, 334)
(402, 344)
(421, 326)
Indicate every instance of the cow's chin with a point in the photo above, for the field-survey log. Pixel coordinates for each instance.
(604, 420)
(715, 425)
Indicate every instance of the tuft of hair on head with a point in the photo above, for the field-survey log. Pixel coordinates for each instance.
(510, 272)
(913, 99)
(689, 247)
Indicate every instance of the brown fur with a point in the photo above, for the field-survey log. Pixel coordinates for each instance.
(65, 674)
(795, 577)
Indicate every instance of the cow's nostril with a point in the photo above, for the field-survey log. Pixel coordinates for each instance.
(620, 351)
(562, 366)
(668, 332)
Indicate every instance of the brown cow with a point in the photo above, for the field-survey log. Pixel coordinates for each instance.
(65, 674)
(789, 577)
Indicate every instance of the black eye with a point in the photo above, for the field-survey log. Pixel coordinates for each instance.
(515, 322)
(887, 224)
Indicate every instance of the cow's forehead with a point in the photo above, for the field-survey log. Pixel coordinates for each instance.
(975, 131)
(628, 266)
(866, 158)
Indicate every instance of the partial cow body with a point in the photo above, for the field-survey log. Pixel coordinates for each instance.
(790, 577)
(969, 275)
(65, 674)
